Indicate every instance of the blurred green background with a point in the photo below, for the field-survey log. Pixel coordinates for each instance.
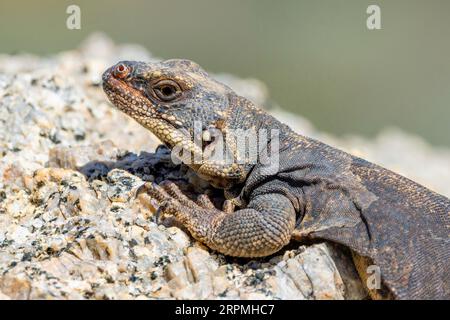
(317, 57)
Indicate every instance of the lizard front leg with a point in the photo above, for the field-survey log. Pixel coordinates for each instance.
(261, 229)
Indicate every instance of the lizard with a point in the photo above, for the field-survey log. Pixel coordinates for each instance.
(316, 192)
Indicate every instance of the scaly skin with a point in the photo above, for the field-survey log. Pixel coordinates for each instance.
(318, 192)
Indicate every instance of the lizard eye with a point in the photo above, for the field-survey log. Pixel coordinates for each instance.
(121, 71)
(167, 90)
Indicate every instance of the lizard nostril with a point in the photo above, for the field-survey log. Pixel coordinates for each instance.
(121, 71)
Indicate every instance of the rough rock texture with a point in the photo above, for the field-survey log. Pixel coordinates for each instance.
(71, 226)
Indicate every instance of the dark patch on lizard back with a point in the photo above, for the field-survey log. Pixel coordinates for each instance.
(410, 224)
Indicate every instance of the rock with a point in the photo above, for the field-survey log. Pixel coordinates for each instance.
(325, 285)
(15, 287)
(72, 225)
(4, 296)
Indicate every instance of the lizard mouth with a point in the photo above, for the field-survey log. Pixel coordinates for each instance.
(133, 103)
(126, 98)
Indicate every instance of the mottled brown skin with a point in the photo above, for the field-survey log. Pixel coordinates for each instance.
(319, 192)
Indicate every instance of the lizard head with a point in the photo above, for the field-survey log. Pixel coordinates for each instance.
(167, 95)
(174, 99)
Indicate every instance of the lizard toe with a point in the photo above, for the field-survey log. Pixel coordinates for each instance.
(155, 191)
(204, 202)
(174, 191)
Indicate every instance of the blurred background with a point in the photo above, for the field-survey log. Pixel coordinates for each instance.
(317, 58)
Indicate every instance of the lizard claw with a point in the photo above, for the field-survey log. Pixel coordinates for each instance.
(154, 190)
(166, 208)
(172, 202)
(174, 191)
(167, 204)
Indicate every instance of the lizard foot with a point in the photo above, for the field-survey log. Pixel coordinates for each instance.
(173, 201)
(202, 201)
(258, 230)
(198, 217)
